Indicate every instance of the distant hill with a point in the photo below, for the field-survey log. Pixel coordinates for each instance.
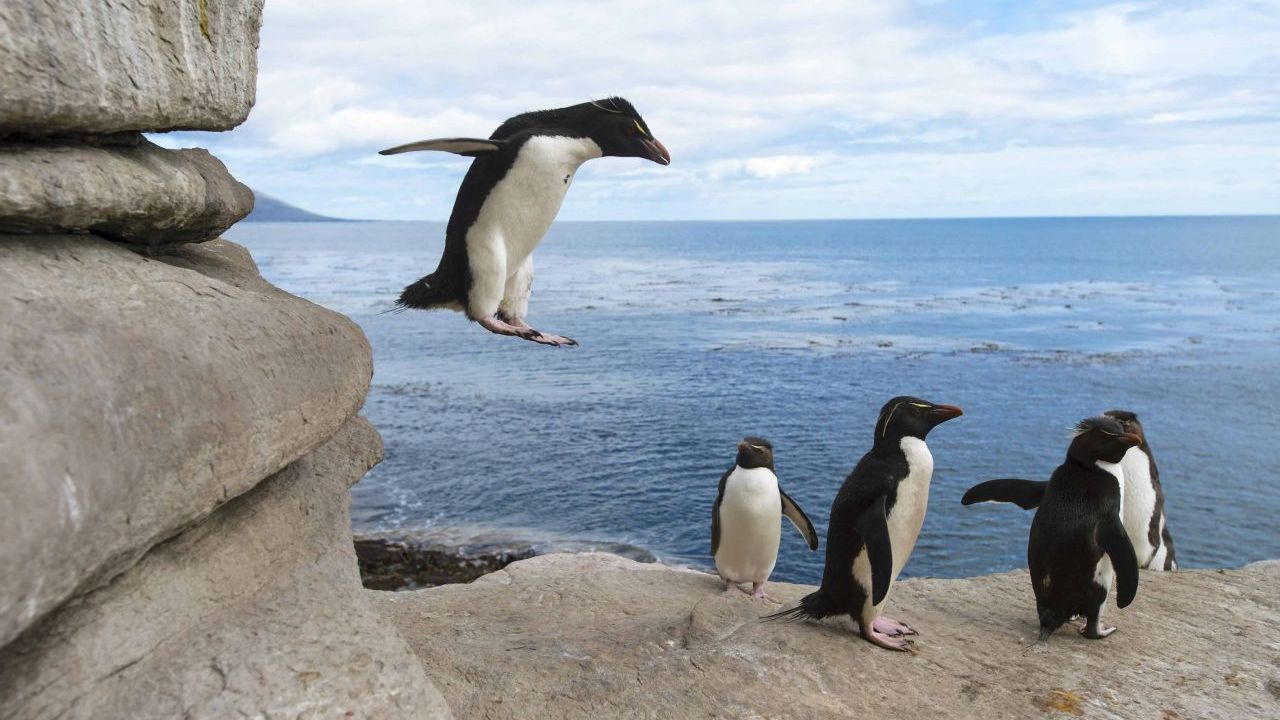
(269, 209)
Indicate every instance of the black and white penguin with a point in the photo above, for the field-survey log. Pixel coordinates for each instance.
(875, 520)
(1078, 542)
(1142, 510)
(746, 519)
(507, 201)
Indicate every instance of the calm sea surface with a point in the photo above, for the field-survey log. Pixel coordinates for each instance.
(695, 334)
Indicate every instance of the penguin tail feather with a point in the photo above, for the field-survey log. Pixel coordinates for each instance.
(424, 294)
(813, 606)
(1050, 621)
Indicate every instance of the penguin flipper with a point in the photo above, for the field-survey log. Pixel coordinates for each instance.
(1026, 494)
(715, 513)
(1114, 541)
(799, 519)
(873, 526)
(471, 147)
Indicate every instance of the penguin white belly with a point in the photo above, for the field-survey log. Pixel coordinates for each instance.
(1139, 504)
(905, 519)
(750, 526)
(518, 212)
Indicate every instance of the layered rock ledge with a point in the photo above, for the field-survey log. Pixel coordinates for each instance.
(593, 635)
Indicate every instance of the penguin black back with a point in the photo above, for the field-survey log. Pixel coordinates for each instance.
(1077, 529)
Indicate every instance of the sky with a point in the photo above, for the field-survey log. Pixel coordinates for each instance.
(877, 109)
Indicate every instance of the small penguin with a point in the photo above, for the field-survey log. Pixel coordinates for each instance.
(1078, 542)
(875, 520)
(507, 201)
(1143, 508)
(1143, 511)
(745, 522)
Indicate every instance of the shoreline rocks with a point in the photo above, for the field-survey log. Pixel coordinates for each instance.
(593, 635)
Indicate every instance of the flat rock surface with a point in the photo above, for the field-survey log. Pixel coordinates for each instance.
(255, 612)
(129, 190)
(86, 66)
(592, 635)
(138, 394)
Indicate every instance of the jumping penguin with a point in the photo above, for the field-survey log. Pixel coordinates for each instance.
(1077, 541)
(745, 521)
(875, 520)
(507, 201)
(1143, 508)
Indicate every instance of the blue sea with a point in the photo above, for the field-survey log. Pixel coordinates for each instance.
(694, 334)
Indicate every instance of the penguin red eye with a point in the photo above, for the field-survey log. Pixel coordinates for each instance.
(631, 132)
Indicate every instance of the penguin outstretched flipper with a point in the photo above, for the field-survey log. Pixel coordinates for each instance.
(873, 526)
(470, 147)
(799, 519)
(1114, 541)
(1026, 494)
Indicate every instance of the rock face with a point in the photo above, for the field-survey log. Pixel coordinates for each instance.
(587, 636)
(84, 66)
(136, 395)
(128, 190)
(256, 611)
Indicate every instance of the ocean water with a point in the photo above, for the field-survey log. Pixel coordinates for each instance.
(696, 334)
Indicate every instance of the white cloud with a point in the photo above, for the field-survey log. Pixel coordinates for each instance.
(893, 100)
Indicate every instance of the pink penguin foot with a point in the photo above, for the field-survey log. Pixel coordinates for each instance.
(891, 627)
(888, 642)
(758, 593)
(1097, 631)
(523, 330)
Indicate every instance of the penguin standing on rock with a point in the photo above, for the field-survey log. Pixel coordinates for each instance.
(1078, 543)
(507, 201)
(1143, 508)
(746, 522)
(875, 520)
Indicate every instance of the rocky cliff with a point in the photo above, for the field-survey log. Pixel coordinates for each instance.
(177, 437)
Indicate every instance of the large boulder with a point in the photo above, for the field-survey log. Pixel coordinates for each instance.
(125, 189)
(85, 66)
(138, 394)
(590, 636)
(256, 611)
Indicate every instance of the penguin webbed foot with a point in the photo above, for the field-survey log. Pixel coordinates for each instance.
(899, 643)
(758, 593)
(891, 627)
(1096, 630)
(518, 328)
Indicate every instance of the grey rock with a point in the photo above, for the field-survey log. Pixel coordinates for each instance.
(84, 66)
(128, 190)
(256, 611)
(597, 636)
(138, 394)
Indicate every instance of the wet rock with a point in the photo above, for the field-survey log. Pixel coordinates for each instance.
(390, 563)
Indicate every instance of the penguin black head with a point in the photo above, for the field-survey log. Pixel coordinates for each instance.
(906, 416)
(617, 128)
(1129, 421)
(1101, 438)
(754, 452)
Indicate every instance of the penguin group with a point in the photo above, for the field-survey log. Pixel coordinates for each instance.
(1099, 518)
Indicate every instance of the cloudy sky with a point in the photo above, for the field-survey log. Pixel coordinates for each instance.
(831, 110)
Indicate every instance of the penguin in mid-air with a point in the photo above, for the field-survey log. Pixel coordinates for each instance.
(746, 519)
(1078, 543)
(507, 202)
(875, 520)
(1143, 507)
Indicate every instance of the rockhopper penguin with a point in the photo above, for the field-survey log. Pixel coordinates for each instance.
(1078, 543)
(507, 202)
(1143, 511)
(875, 520)
(746, 519)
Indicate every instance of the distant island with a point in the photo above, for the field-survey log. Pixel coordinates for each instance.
(270, 209)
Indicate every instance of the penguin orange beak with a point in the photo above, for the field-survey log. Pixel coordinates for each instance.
(947, 412)
(1132, 439)
(742, 446)
(656, 151)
